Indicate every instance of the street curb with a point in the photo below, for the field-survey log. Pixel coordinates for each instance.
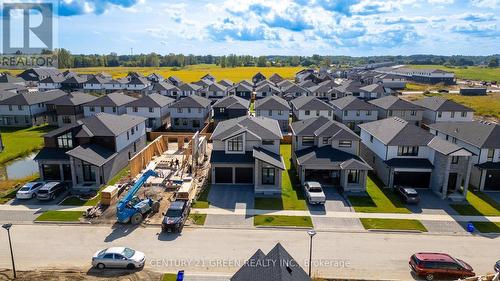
(283, 227)
(63, 222)
(397, 231)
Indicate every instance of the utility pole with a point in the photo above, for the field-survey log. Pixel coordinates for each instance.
(311, 233)
(7, 226)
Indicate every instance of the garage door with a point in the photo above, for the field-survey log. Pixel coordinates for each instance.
(223, 175)
(244, 175)
(412, 179)
(492, 181)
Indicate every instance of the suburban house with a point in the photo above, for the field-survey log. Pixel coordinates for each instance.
(73, 82)
(39, 73)
(229, 107)
(258, 77)
(275, 108)
(277, 265)
(50, 83)
(69, 108)
(437, 109)
(403, 154)
(292, 91)
(390, 81)
(174, 80)
(326, 151)
(7, 78)
(165, 89)
(323, 90)
(483, 140)
(190, 113)
(189, 89)
(372, 91)
(154, 107)
(265, 90)
(241, 90)
(225, 82)
(113, 103)
(95, 84)
(391, 106)
(276, 78)
(91, 151)
(352, 111)
(208, 77)
(155, 78)
(216, 91)
(305, 107)
(28, 109)
(246, 150)
(137, 84)
(115, 85)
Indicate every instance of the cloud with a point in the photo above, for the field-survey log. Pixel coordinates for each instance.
(81, 7)
(477, 17)
(339, 6)
(441, 2)
(476, 30)
(373, 7)
(231, 29)
(292, 16)
(400, 20)
(486, 3)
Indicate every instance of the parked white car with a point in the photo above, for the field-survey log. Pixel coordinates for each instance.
(118, 257)
(29, 190)
(314, 192)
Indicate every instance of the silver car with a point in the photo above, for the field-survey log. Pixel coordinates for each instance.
(29, 190)
(314, 192)
(118, 257)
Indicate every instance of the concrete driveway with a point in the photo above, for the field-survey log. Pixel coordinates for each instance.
(230, 197)
(494, 195)
(430, 203)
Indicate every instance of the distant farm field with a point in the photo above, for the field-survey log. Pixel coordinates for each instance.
(469, 73)
(193, 73)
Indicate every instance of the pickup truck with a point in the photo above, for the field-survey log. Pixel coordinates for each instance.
(314, 192)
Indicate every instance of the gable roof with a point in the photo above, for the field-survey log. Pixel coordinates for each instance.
(276, 78)
(352, 103)
(285, 84)
(74, 98)
(97, 79)
(445, 147)
(323, 87)
(322, 126)
(31, 98)
(153, 100)
(53, 79)
(189, 87)
(112, 99)
(164, 86)
(395, 131)
(74, 80)
(264, 128)
(277, 265)
(215, 86)
(105, 124)
(394, 103)
(373, 88)
(271, 103)
(478, 133)
(441, 104)
(327, 155)
(192, 102)
(309, 103)
(7, 78)
(267, 87)
(232, 102)
(226, 82)
(241, 87)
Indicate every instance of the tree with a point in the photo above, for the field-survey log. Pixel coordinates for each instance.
(64, 59)
(493, 62)
(261, 61)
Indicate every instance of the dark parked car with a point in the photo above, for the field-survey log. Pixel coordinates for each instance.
(51, 190)
(440, 266)
(408, 195)
(443, 91)
(176, 216)
(497, 266)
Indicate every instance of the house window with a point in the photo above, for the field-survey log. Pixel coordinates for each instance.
(345, 143)
(20, 107)
(66, 119)
(65, 141)
(329, 113)
(317, 112)
(10, 107)
(235, 144)
(267, 142)
(114, 109)
(454, 160)
(199, 110)
(133, 130)
(452, 114)
(270, 113)
(440, 114)
(345, 112)
(128, 135)
(268, 176)
(151, 109)
(179, 110)
(280, 112)
(325, 140)
(390, 112)
(408, 151)
(307, 112)
(222, 110)
(92, 109)
(176, 121)
(135, 109)
(464, 114)
(189, 110)
(102, 108)
(353, 176)
(307, 141)
(196, 123)
(368, 112)
(454, 140)
(491, 152)
(371, 138)
(413, 113)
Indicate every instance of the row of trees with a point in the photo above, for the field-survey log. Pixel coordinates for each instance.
(68, 60)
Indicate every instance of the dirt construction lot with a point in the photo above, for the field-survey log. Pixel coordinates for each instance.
(77, 275)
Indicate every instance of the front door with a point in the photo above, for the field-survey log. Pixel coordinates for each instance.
(452, 182)
(88, 173)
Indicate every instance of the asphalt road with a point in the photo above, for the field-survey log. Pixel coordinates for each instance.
(221, 251)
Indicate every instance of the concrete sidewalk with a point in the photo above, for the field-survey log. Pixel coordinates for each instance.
(426, 217)
(42, 208)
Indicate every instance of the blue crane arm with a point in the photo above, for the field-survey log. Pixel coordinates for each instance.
(137, 185)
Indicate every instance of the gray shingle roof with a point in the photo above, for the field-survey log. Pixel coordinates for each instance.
(53, 79)
(112, 99)
(226, 82)
(97, 79)
(269, 157)
(164, 86)
(189, 87)
(323, 87)
(265, 128)
(6, 94)
(92, 153)
(478, 133)
(373, 88)
(192, 102)
(327, 155)
(33, 98)
(310, 103)
(7, 78)
(104, 124)
(267, 87)
(217, 87)
(153, 100)
(232, 102)
(271, 103)
(442, 146)
(352, 103)
(75, 98)
(396, 131)
(440, 104)
(220, 157)
(394, 103)
(322, 126)
(277, 265)
(419, 163)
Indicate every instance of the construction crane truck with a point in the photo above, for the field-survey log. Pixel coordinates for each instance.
(133, 209)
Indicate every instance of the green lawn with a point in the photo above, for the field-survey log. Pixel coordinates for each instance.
(252, 106)
(75, 201)
(479, 205)
(169, 277)
(198, 219)
(487, 227)
(270, 220)
(393, 224)
(470, 72)
(60, 216)
(292, 197)
(202, 201)
(20, 142)
(8, 188)
(380, 199)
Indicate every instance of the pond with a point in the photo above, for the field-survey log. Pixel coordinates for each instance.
(19, 168)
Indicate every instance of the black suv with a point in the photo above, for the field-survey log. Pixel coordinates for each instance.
(408, 195)
(176, 216)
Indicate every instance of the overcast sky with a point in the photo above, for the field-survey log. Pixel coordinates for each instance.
(282, 27)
